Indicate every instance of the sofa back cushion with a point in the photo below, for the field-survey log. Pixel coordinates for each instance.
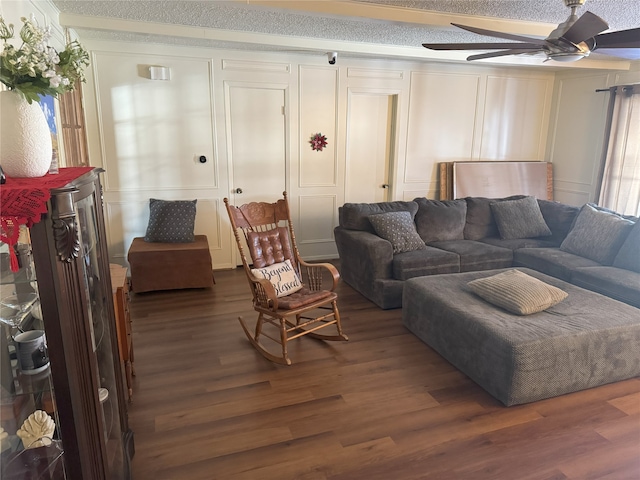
(628, 256)
(480, 222)
(519, 219)
(437, 221)
(559, 217)
(597, 235)
(354, 215)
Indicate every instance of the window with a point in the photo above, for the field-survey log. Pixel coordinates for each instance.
(73, 129)
(620, 188)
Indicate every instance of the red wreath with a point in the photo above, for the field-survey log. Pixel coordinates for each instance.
(318, 142)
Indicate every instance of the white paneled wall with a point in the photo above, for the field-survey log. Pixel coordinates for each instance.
(576, 131)
(157, 130)
(513, 109)
(149, 134)
(318, 114)
(577, 161)
(442, 126)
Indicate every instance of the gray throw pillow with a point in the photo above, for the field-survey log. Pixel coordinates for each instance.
(438, 221)
(517, 292)
(171, 221)
(628, 256)
(520, 218)
(480, 221)
(399, 229)
(597, 235)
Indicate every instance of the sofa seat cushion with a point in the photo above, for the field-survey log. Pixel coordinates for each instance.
(551, 261)
(613, 282)
(516, 243)
(430, 261)
(477, 255)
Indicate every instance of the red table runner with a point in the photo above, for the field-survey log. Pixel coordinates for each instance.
(24, 200)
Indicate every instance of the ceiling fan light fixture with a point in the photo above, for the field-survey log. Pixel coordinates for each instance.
(574, 3)
(563, 51)
(567, 57)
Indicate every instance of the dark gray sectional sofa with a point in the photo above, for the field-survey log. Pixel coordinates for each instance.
(426, 255)
(587, 246)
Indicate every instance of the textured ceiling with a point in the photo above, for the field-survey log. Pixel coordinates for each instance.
(296, 19)
(620, 14)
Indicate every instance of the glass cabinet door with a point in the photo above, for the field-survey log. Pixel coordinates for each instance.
(62, 402)
(30, 437)
(101, 331)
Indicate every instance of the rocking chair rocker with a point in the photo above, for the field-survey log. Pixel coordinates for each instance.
(296, 305)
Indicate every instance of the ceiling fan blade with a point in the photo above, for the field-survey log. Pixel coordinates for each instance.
(479, 46)
(628, 53)
(506, 36)
(502, 53)
(621, 39)
(587, 26)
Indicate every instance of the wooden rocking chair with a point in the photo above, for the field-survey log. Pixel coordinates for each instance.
(269, 235)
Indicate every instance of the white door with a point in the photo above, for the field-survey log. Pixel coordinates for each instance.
(256, 139)
(256, 126)
(370, 146)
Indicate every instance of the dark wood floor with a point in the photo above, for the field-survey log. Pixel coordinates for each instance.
(381, 406)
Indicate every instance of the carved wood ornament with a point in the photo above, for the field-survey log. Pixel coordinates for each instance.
(65, 232)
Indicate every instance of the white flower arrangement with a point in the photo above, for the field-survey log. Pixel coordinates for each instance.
(36, 68)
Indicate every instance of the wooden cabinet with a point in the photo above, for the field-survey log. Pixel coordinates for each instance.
(120, 290)
(56, 282)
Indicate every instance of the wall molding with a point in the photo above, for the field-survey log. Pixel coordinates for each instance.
(248, 66)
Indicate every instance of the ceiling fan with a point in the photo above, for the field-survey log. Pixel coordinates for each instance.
(572, 40)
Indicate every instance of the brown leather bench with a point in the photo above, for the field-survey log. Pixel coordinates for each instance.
(170, 266)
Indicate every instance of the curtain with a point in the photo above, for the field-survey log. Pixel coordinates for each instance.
(620, 188)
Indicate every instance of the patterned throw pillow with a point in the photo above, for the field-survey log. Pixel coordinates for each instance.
(399, 229)
(517, 292)
(519, 218)
(282, 276)
(171, 221)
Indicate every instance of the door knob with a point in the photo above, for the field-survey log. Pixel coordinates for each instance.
(238, 190)
(385, 185)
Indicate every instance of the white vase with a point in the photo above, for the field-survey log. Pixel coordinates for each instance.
(25, 147)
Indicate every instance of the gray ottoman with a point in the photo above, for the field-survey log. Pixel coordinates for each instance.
(585, 341)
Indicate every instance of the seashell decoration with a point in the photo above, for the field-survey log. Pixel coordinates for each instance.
(4, 440)
(37, 430)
